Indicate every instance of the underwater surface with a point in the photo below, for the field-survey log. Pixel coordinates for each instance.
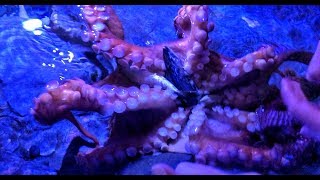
(31, 57)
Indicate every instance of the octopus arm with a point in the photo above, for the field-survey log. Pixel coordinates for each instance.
(193, 47)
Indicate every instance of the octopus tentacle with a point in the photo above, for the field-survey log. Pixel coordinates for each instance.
(118, 149)
(227, 153)
(236, 91)
(149, 58)
(57, 103)
(223, 136)
(238, 118)
(263, 59)
(125, 103)
(153, 97)
(183, 24)
(246, 97)
(228, 144)
(74, 121)
(104, 21)
(197, 50)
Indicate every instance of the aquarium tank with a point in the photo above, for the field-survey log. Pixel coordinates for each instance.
(159, 89)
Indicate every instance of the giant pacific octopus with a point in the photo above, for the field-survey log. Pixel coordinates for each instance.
(180, 96)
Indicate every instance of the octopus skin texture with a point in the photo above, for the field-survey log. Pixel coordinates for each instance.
(180, 96)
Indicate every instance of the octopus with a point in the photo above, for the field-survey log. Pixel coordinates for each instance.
(182, 97)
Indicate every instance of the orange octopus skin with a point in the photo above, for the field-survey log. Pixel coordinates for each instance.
(217, 130)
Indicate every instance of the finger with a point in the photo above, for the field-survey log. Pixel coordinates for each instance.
(313, 71)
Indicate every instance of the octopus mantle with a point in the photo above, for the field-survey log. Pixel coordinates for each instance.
(180, 96)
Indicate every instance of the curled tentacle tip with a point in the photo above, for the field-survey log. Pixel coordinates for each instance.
(96, 141)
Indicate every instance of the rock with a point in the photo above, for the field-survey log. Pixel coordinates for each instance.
(34, 152)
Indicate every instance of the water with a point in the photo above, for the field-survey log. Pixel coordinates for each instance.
(28, 60)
